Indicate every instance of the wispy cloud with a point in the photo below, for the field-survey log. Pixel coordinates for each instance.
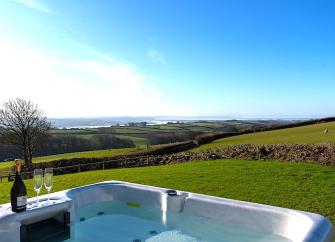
(156, 56)
(36, 5)
(96, 52)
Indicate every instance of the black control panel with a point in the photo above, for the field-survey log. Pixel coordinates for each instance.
(54, 229)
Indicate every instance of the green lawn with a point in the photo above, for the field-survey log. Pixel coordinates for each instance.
(306, 134)
(85, 154)
(300, 186)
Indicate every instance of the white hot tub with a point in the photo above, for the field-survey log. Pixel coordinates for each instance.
(120, 211)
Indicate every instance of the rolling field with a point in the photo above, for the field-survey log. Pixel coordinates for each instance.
(305, 187)
(138, 141)
(139, 134)
(300, 135)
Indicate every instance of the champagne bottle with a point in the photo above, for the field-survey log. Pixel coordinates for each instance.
(18, 193)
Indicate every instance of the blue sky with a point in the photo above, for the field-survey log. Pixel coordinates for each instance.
(252, 58)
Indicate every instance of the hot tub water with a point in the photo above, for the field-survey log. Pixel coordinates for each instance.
(117, 221)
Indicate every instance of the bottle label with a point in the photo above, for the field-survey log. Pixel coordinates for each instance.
(21, 201)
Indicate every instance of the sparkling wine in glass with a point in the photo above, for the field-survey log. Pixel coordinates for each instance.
(48, 177)
(38, 182)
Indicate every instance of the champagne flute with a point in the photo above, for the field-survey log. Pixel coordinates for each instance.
(38, 182)
(48, 175)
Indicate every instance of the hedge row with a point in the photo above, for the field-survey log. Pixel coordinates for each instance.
(323, 154)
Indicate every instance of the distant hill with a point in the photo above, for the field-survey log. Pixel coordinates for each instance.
(139, 135)
(157, 120)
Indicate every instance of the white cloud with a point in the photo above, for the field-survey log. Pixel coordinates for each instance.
(156, 56)
(77, 88)
(36, 5)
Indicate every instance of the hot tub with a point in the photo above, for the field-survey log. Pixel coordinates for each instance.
(120, 211)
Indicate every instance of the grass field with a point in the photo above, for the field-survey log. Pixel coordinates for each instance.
(138, 141)
(85, 154)
(305, 187)
(306, 134)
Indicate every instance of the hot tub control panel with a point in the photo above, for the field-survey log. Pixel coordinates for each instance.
(47, 228)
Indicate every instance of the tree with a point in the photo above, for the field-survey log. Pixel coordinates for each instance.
(22, 124)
